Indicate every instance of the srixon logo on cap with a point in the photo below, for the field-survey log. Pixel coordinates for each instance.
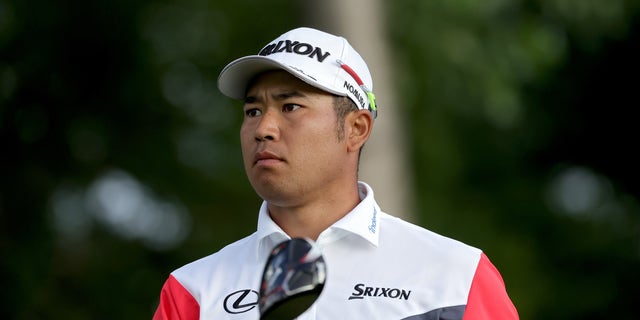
(296, 47)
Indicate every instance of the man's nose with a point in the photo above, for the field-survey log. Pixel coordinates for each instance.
(267, 128)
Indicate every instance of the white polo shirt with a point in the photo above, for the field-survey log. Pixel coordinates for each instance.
(378, 267)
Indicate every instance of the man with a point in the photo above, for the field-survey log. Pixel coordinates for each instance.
(308, 112)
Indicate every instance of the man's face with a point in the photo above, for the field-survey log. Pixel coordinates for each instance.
(289, 139)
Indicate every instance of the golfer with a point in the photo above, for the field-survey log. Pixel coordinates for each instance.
(308, 111)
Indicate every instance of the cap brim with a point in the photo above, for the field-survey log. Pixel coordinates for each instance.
(235, 77)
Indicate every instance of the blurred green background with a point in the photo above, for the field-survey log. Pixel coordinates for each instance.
(120, 160)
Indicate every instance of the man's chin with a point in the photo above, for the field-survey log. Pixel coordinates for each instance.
(276, 195)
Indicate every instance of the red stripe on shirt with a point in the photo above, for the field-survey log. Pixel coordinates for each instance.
(488, 297)
(176, 302)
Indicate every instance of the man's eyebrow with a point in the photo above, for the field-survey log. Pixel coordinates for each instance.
(250, 99)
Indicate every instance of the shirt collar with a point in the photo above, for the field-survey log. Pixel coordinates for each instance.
(269, 233)
(362, 221)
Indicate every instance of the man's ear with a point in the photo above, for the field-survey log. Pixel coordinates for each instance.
(358, 129)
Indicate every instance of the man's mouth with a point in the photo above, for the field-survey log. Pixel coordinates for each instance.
(265, 157)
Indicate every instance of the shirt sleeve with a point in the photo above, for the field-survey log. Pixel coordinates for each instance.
(488, 297)
(176, 302)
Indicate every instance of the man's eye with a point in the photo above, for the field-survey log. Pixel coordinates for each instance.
(290, 107)
(252, 113)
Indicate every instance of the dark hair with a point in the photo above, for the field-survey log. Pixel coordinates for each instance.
(343, 106)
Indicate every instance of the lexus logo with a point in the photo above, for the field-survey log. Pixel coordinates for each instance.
(241, 301)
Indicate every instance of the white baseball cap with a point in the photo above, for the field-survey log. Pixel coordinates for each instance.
(318, 58)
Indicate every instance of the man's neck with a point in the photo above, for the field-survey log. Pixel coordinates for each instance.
(310, 219)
